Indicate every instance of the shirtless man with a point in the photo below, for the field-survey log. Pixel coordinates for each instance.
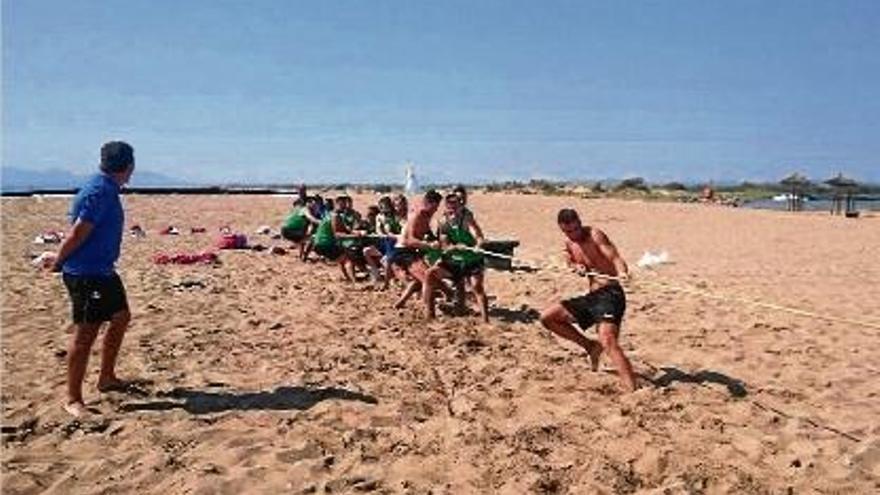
(418, 239)
(587, 250)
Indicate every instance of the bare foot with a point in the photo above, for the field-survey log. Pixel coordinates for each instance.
(595, 351)
(76, 409)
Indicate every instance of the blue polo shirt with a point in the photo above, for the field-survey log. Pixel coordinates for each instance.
(98, 203)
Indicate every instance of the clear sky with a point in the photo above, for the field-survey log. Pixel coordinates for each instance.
(260, 90)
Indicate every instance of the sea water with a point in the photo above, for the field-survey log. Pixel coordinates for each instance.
(865, 204)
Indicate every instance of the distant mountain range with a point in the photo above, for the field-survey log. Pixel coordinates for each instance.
(19, 179)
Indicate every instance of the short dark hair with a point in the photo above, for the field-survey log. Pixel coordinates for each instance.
(459, 189)
(567, 215)
(433, 196)
(116, 156)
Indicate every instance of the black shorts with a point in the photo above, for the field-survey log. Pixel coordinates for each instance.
(460, 271)
(356, 254)
(605, 304)
(354, 249)
(293, 235)
(95, 299)
(332, 252)
(403, 257)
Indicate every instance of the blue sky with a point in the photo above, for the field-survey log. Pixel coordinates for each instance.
(219, 91)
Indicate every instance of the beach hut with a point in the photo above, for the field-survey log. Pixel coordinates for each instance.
(843, 202)
(796, 183)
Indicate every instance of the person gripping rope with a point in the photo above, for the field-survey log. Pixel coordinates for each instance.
(589, 251)
(458, 262)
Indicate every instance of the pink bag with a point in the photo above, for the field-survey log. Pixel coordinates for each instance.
(232, 241)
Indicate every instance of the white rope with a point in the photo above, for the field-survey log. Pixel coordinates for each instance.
(700, 293)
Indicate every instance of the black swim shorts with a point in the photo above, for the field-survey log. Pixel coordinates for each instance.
(95, 299)
(605, 304)
(355, 253)
(460, 271)
(332, 251)
(293, 235)
(403, 256)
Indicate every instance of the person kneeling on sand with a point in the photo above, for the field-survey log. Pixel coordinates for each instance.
(326, 243)
(86, 260)
(458, 261)
(348, 225)
(589, 251)
(296, 226)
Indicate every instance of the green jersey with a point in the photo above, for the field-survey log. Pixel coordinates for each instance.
(324, 235)
(296, 220)
(457, 232)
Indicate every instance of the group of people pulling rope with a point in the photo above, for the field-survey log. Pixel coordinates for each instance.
(395, 241)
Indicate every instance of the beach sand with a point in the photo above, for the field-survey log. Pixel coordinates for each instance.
(268, 375)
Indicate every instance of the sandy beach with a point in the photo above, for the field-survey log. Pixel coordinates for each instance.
(268, 375)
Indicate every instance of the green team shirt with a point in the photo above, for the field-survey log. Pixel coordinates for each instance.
(296, 220)
(349, 218)
(324, 235)
(388, 224)
(457, 232)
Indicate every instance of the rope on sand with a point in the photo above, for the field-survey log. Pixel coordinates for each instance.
(709, 295)
(764, 407)
(706, 294)
(761, 304)
(809, 421)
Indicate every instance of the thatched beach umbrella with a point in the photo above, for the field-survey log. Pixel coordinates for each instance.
(796, 184)
(795, 179)
(841, 181)
(844, 188)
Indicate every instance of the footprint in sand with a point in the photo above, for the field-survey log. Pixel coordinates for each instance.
(292, 456)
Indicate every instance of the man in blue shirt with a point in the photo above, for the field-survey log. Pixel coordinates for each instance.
(86, 260)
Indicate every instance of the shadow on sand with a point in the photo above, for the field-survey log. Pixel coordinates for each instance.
(736, 388)
(524, 314)
(280, 399)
